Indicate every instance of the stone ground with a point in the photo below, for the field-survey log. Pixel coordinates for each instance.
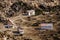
(18, 20)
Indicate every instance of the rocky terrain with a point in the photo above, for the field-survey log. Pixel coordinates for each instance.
(22, 19)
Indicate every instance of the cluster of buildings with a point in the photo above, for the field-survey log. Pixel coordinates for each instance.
(30, 12)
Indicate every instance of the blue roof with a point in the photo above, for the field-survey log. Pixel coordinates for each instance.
(8, 26)
(48, 26)
(45, 26)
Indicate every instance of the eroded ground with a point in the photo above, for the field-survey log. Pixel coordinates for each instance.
(46, 11)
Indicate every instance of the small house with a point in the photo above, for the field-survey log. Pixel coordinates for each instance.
(8, 25)
(19, 32)
(29, 13)
(45, 26)
(16, 33)
(5, 38)
(48, 26)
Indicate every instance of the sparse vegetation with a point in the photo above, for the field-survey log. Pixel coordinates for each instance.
(44, 13)
(38, 12)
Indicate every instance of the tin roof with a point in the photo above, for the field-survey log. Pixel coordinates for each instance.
(48, 26)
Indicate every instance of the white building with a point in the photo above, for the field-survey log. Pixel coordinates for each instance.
(5, 38)
(20, 30)
(29, 13)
